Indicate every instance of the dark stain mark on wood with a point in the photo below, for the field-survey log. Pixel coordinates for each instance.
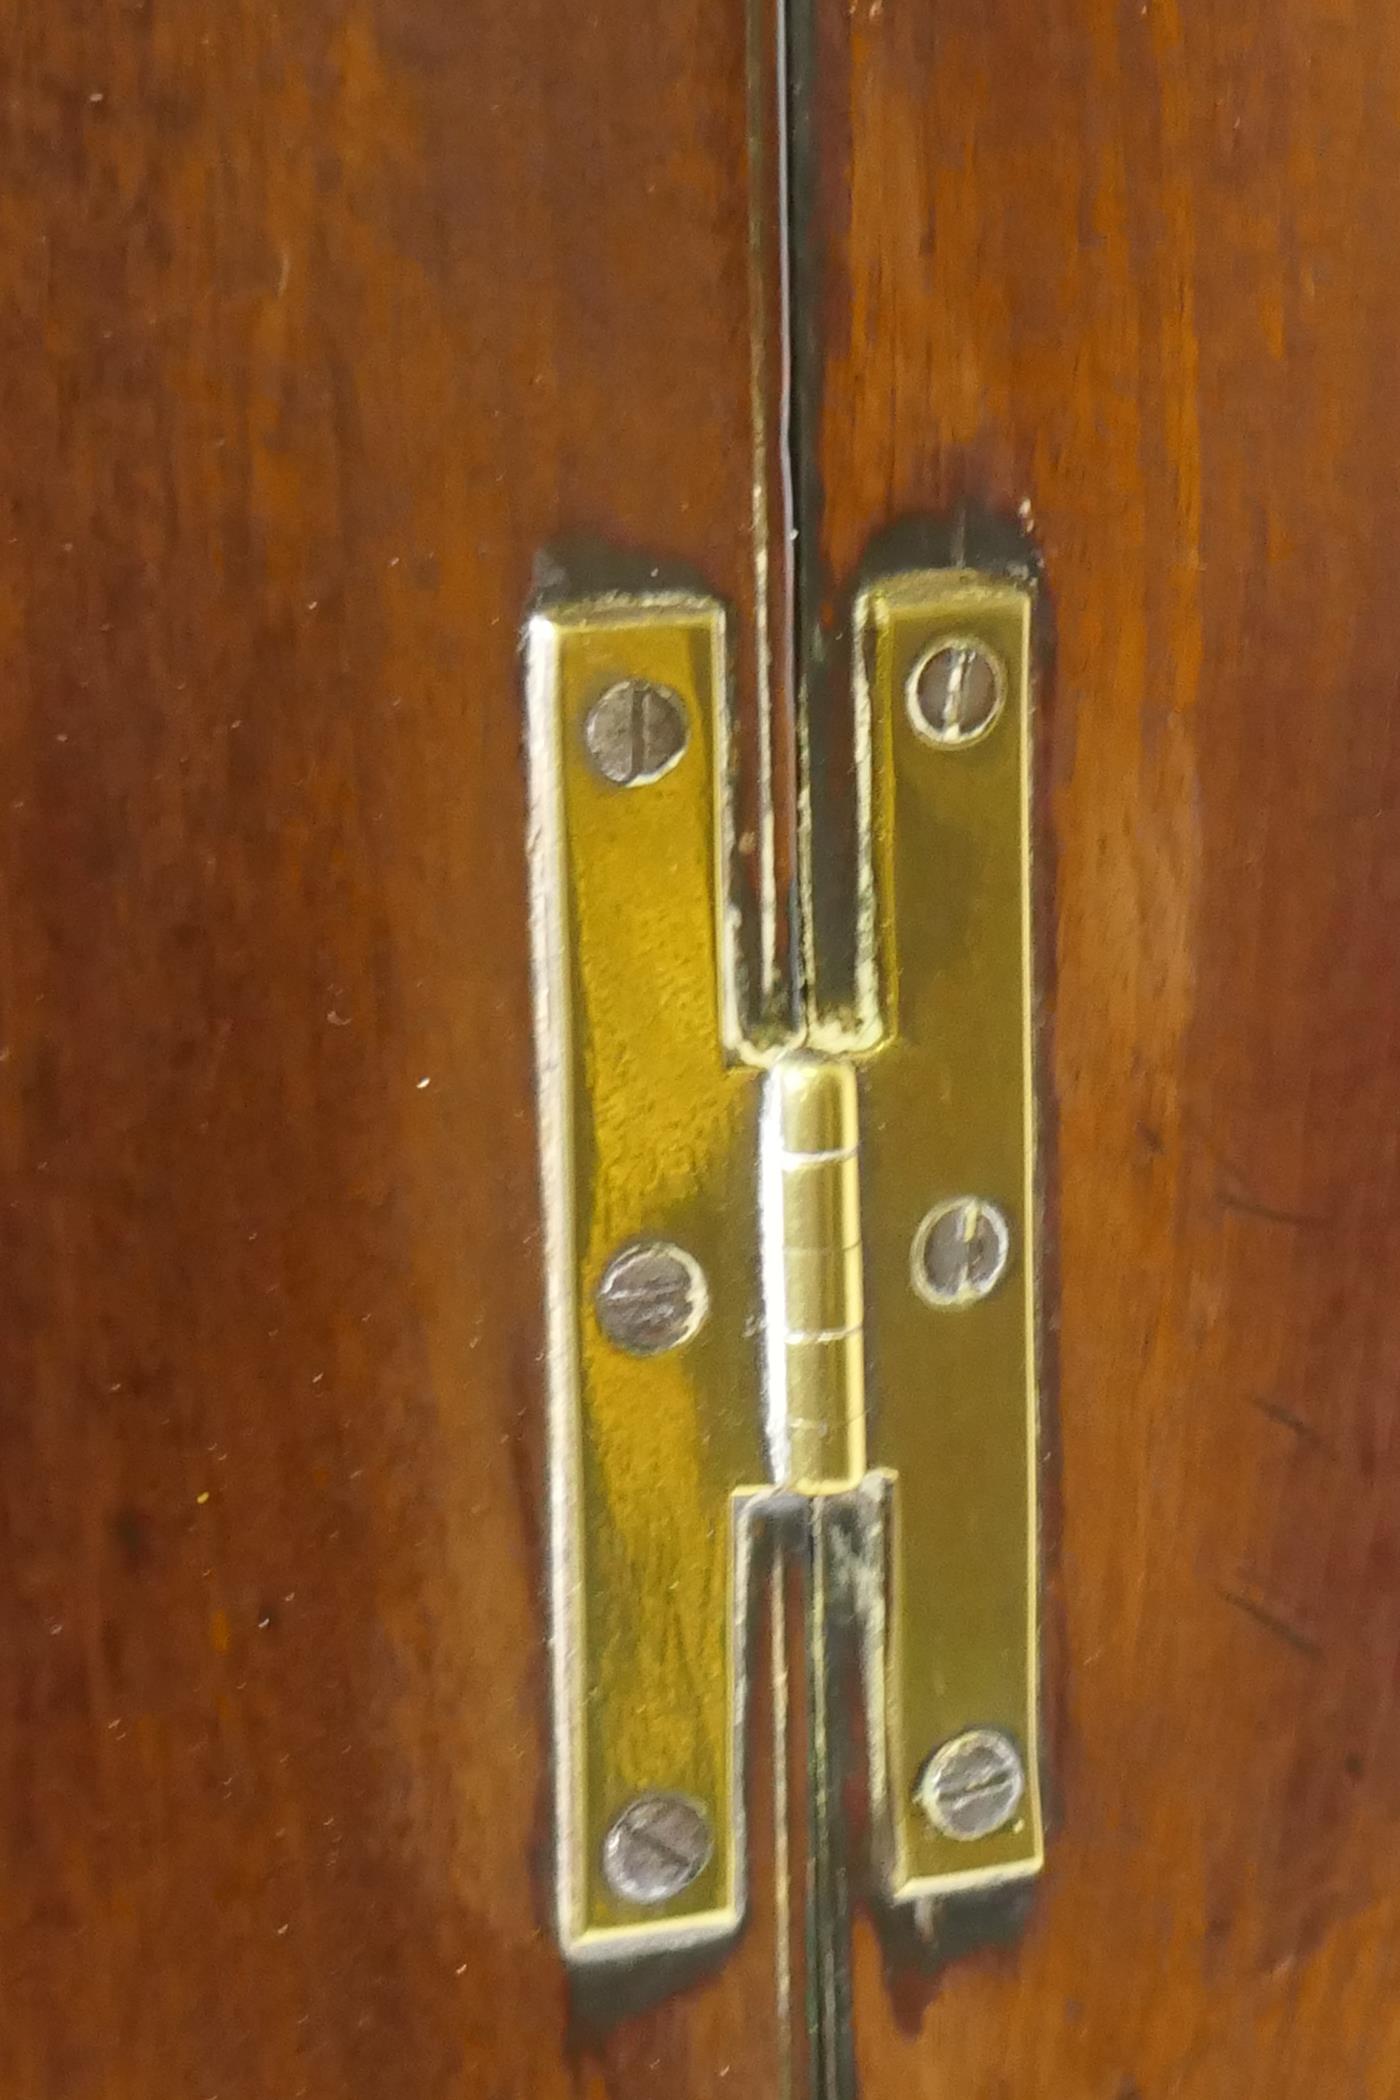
(1303, 1430)
(131, 1530)
(1271, 1214)
(1300, 1642)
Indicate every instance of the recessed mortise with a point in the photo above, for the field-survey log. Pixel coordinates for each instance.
(955, 691)
(961, 1251)
(652, 1297)
(972, 1786)
(636, 731)
(656, 1847)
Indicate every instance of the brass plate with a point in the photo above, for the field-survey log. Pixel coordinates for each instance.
(646, 1129)
(947, 1111)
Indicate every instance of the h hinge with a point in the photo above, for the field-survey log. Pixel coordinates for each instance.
(794, 1270)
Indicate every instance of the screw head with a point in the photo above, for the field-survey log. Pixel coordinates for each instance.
(960, 1251)
(652, 1297)
(635, 732)
(972, 1786)
(656, 1847)
(955, 692)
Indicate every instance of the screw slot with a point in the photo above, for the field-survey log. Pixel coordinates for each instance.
(973, 1785)
(635, 732)
(657, 1846)
(955, 691)
(960, 1252)
(652, 1297)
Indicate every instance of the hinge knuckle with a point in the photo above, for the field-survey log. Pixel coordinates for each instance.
(815, 1317)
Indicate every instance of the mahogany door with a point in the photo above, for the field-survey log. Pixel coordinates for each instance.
(337, 331)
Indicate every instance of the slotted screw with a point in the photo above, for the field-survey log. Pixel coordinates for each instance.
(961, 1251)
(656, 1847)
(652, 1297)
(973, 1785)
(955, 692)
(635, 732)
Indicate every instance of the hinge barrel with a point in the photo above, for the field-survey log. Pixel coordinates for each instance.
(813, 1281)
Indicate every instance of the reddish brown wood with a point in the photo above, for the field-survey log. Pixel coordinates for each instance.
(320, 323)
(1129, 274)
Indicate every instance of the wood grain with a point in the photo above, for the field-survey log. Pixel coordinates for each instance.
(1126, 275)
(320, 323)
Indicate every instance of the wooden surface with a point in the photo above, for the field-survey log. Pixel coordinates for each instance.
(320, 323)
(1129, 273)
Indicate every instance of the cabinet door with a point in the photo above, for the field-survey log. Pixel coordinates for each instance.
(1127, 274)
(330, 333)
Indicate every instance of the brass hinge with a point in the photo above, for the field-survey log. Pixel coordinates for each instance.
(807, 1271)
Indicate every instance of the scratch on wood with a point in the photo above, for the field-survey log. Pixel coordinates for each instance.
(1305, 1431)
(1230, 1199)
(1301, 1643)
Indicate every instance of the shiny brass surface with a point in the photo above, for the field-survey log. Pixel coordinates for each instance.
(813, 1288)
(947, 1110)
(736, 1236)
(646, 1131)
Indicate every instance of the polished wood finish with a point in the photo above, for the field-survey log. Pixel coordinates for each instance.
(321, 324)
(1126, 277)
